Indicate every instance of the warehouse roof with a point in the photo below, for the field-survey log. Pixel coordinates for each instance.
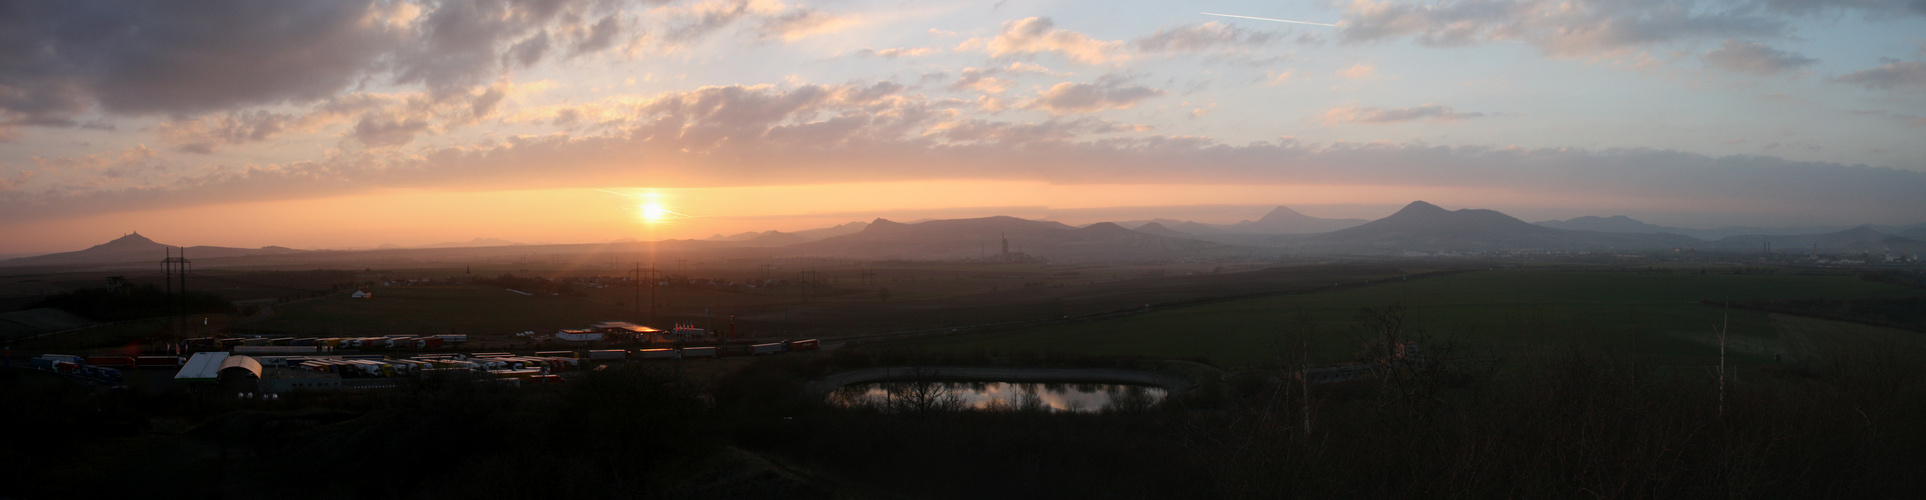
(203, 367)
(242, 362)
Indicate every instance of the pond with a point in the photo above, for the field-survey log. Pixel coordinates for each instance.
(906, 397)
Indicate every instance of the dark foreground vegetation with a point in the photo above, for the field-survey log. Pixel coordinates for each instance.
(1447, 424)
(135, 301)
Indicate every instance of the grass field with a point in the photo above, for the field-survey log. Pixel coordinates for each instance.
(1504, 313)
(432, 310)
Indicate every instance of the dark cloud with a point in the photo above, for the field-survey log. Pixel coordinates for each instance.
(601, 36)
(385, 130)
(144, 57)
(529, 51)
(58, 58)
(708, 21)
(1354, 114)
(1741, 56)
(1900, 74)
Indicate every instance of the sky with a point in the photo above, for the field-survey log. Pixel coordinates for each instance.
(357, 123)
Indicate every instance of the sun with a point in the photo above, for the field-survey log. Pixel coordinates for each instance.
(653, 213)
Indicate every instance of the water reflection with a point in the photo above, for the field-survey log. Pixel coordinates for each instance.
(922, 397)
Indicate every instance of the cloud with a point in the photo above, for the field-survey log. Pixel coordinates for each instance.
(1741, 56)
(1038, 35)
(1358, 71)
(1560, 28)
(142, 59)
(378, 113)
(1009, 133)
(985, 80)
(1899, 74)
(1196, 37)
(387, 130)
(1354, 114)
(1871, 8)
(767, 135)
(204, 134)
(802, 23)
(892, 53)
(1067, 97)
(981, 80)
(699, 20)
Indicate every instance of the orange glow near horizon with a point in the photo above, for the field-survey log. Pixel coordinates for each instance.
(413, 217)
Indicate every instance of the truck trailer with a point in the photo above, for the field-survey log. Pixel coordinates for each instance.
(655, 354)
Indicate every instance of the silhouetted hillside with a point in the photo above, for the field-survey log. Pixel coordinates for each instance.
(985, 237)
(1423, 226)
(1613, 224)
(1156, 229)
(136, 248)
(1283, 220)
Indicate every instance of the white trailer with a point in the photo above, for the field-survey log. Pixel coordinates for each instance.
(608, 354)
(771, 348)
(698, 352)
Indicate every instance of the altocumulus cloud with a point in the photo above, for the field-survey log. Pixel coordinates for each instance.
(729, 135)
(1354, 114)
(1741, 56)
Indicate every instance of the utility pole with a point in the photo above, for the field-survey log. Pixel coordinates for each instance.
(174, 270)
(1304, 379)
(1726, 325)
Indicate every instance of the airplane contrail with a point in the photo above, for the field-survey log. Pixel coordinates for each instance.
(1268, 19)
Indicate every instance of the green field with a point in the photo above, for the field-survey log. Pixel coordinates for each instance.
(431, 310)
(1502, 313)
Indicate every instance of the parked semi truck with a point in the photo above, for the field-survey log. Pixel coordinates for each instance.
(608, 354)
(655, 354)
(770, 348)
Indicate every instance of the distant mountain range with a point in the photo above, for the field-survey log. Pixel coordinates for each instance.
(779, 238)
(986, 238)
(477, 242)
(1623, 224)
(1418, 227)
(1280, 220)
(135, 248)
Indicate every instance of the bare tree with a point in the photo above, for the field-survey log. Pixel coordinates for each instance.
(920, 395)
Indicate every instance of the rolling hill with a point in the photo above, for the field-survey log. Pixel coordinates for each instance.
(136, 248)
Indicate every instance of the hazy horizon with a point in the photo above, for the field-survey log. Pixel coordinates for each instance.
(357, 124)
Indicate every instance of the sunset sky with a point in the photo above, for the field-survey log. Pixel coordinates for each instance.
(332, 124)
